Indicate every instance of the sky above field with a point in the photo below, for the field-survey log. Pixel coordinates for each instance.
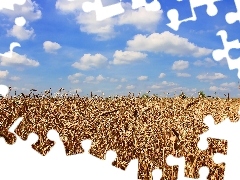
(62, 46)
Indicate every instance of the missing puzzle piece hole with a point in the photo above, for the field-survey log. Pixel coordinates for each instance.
(58, 149)
(204, 171)
(86, 145)
(110, 156)
(202, 145)
(219, 158)
(157, 174)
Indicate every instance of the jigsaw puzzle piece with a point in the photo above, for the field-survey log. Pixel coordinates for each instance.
(43, 145)
(106, 165)
(199, 158)
(8, 119)
(173, 14)
(180, 162)
(9, 4)
(224, 130)
(232, 17)
(219, 54)
(102, 12)
(153, 6)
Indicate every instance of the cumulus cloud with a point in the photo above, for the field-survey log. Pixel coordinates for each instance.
(155, 86)
(165, 83)
(3, 74)
(89, 79)
(232, 84)
(130, 87)
(119, 87)
(166, 42)
(126, 57)
(77, 89)
(18, 59)
(140, 18)
(207, 62)
(29, 10)
(142, 78)
(113, 80)
(180, 65)
(20, 32)
(161, 75)
(104, 30)
(89, 61)
(183, 75)
(66, 6)
(215, 88)
(100, 78)
(15, 78)
(51, 47)
(123, 80)
(74, 78)
(214, 76)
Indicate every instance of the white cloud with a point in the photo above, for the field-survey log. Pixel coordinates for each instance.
(77, 89)
(89, 61)
(30, 11)
(166, 42)
(119, 87)
(130, 87)
(140, 18)
(123, 80)
(162, 75)
(126, 57)
(207, 62)
(183, 75)
(89, 79)
(20, 32)
(113, 80)
(155, 86)
(15, 78)
(215, 76)
(165, 83)
(232, 84)
(180, 65)
(215, 88)
(3, 74)
(142, 78)
(104, 30)
(100, 78)
(74, 78)
(51, 47)
(66, 6)
(18, 59)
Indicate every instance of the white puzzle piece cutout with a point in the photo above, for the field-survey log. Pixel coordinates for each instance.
(173, 14)
(232, 17)
(153, 6)
(9, 53)
(219, 54)
(180, 162)
(229, 131)
(102, 12)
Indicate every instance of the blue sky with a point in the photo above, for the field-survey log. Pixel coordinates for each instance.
(62, 46)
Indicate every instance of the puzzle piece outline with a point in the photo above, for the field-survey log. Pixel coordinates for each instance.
(173, 14)
(220, 54)
(225, 130)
